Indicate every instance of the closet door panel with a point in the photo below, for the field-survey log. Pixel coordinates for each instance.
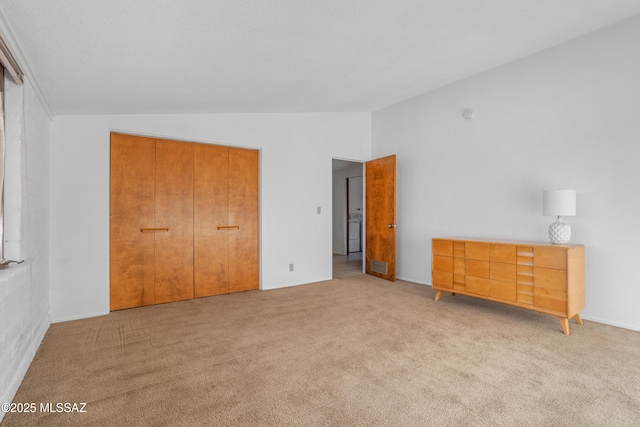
(243, 212)
(174, 211)
(211, 210)
(131, 207)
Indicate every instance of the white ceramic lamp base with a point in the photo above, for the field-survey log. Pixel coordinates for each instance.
(559, 232)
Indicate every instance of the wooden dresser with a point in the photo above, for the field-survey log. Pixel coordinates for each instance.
(538, 276)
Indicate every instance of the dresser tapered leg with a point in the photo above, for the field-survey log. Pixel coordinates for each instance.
(438, 295)
(564, 323)
(578, 319)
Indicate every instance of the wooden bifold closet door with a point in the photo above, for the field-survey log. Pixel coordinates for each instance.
(184, 220)
(225, 219)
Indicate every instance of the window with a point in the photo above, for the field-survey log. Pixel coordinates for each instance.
(6, 62)
(1, 163)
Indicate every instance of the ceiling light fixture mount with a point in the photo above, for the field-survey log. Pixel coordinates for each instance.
(468, 113)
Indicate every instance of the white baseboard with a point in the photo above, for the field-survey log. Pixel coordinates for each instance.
(78, 317)
(409, 279)
(611, 323)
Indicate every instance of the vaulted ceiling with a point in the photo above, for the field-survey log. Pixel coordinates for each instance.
(222, 56)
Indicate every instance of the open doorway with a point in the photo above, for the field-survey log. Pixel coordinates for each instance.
(348, 218)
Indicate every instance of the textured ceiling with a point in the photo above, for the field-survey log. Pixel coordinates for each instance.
(218, 56)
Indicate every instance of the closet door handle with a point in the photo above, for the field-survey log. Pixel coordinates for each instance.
(154, 230)
(228, 227)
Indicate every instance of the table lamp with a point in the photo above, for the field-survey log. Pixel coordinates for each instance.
(559, 203)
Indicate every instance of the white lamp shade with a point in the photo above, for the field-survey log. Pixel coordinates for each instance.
(559, 203)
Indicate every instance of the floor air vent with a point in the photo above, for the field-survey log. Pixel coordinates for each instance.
(378, 267)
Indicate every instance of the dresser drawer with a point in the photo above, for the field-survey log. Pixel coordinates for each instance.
(442, 271)
(555, 300)
(550, 289)
(459, 273)
(477, 250)
(550, 257)
(524, 275)
(524, 255)
(442, 247)
(524, 283)
(442, 263)
(442, 279)
(477, 268)
(477, 285)
(458, 249)
(524, 294)
(502, 271)
(502, 290)
(549, 278)
(502, 253)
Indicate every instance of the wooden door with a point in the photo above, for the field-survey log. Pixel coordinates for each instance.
(211, 210)
(243, 220)
(151, 221)
(173, 211)
(225, 220)
(131, 265)
(380, 182)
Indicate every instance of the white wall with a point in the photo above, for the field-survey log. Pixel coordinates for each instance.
(24, 288)
(568, 117)
(340, 205)
(295, 178)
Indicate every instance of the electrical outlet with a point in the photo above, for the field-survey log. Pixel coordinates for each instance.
(290, 267)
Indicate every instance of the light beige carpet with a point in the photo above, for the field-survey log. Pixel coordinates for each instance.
(350, 352)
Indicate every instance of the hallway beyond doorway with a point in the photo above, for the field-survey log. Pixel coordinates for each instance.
(347, 265)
